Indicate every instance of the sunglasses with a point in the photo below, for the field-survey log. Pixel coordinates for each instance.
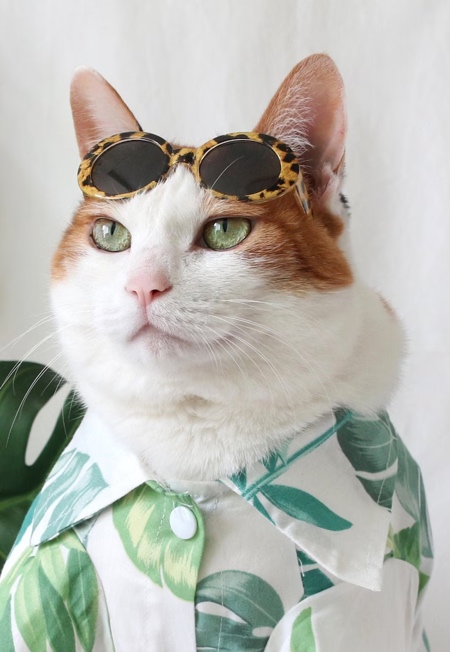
(240, 166)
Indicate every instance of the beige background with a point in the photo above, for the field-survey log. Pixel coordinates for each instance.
(192, 70)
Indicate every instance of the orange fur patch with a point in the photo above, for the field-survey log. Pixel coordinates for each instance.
(297, 251)
(73, 242)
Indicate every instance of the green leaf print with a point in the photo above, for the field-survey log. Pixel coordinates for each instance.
(50, 557)
(138, 518)
(59, 625)
(254, 488)
(28, 519)
(304, 507)
(214, 633)
(313, 579)
(9, 579)
(411, 494)
(407, 545)
(276, 458)
(83, 596)
(57, 595)
(63, 476)
(85, 482)
(370, 447)
(5, 629)
(302, 637)
(85, 489)
(247, 595)
(250, 598)
(28, 609)
(142, 520)
(240, 479)
(423, 581)
(261, 509)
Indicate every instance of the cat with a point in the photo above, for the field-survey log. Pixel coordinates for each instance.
(201, 363)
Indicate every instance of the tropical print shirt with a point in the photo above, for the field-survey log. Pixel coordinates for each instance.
(322, 547)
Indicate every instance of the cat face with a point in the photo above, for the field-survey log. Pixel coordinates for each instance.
(169, 299)
(170, 284)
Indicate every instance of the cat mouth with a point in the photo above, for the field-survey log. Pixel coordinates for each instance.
(152, 334)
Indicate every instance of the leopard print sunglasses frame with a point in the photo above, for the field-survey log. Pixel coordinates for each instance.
(270, 166)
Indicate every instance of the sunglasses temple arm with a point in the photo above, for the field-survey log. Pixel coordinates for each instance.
(301, 195)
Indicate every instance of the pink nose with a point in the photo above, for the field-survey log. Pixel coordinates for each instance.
(147, 287)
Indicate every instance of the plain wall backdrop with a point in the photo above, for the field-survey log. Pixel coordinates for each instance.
(194, 69)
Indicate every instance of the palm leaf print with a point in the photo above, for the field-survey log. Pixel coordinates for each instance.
(55, 605)
(302, 637)
(83, 596)
(304, 507)
(72, 485)
(142, 521)
(313, 579)
(6, 587)
(5, 629)
(59, 626)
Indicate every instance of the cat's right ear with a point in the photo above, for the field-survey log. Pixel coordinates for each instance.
(98, 110)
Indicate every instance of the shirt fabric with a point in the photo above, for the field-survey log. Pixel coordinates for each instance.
(322, 547)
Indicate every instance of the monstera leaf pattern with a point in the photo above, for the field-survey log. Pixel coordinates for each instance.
(411, 494)
(383, 465)
(370, 447)
(254, 609)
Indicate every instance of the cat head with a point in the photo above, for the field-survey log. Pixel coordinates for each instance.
(276, 316)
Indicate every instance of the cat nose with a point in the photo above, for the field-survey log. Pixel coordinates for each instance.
(147, 287)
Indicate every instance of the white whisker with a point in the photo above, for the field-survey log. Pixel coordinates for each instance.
(28, 392)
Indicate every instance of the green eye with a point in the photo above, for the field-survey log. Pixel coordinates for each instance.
(226, 232)
(110, 235)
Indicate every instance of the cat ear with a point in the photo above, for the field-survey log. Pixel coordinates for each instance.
(98, 110)
(308, 113)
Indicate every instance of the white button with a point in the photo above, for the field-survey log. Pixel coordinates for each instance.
(183, 522)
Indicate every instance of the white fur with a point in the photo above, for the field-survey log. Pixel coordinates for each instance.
(210, 391)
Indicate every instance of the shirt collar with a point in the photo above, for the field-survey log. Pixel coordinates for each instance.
(325, 489)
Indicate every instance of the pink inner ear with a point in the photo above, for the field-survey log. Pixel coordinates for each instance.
(98, 110)
(308, 112)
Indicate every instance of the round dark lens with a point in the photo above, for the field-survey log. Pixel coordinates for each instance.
(240, 167)
(128, 165)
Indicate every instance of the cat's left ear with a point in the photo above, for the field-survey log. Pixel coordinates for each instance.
(98, 110)
(308, 113)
